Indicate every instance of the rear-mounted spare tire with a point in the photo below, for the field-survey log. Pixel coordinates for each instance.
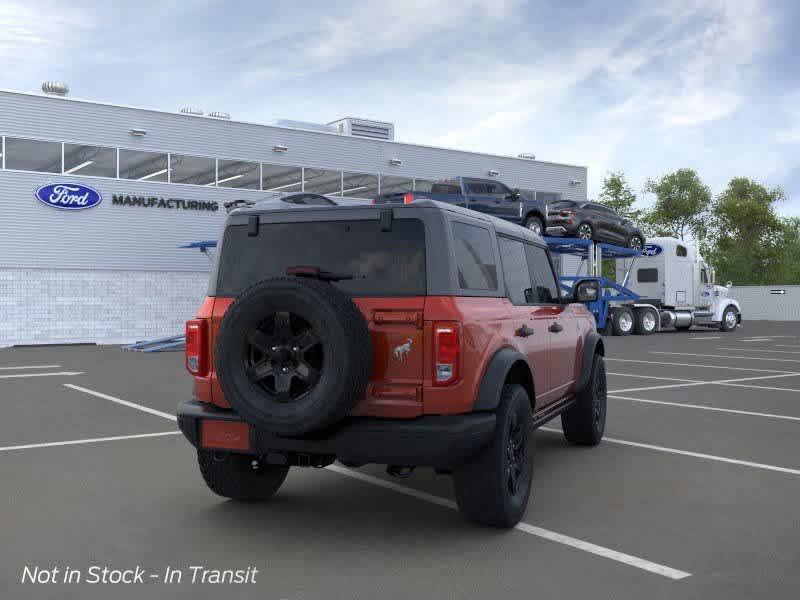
(293, 355)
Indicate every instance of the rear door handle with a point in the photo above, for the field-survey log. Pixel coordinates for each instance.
(556, 327)
(524, 331)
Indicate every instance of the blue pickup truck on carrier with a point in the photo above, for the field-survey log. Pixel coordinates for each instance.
(484, 195)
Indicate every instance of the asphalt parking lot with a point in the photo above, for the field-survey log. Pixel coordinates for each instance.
(693, 494)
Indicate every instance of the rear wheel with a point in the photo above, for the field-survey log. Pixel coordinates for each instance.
(535, 224)
(730, 319)
(493, 487)
(635, 242)
(584, 231)
(622, 320)
(646, 321)
(585, 421)
(239, 476)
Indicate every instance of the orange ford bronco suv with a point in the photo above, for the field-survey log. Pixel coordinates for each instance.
(416, 335)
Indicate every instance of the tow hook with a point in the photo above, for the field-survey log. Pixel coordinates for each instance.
(401, 472)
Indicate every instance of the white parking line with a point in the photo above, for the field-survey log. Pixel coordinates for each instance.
(759, 350)
(6, 368)
(654, 377)
(531, 529)
(633, 561)
(786, 345)
(793, 360)
(731, 382)
(146, 409)
(677, 364)
(711, 408)
(712, 457)
(24, 375)
(712, 337)
(87, 441)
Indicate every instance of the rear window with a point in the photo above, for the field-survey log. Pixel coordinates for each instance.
(474, 257)
(445, 188)
(383, 263)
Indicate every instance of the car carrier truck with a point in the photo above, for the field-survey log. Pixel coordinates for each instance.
(667, 285)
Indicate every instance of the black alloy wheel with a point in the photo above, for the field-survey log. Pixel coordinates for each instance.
(284, 356)
(515, 454)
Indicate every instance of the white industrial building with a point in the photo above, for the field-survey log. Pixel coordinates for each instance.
(114, 272)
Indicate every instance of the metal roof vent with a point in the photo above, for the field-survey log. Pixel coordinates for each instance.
(527, 155)
(192, 110)
(217, 114)
(376, 130)
(55, 88)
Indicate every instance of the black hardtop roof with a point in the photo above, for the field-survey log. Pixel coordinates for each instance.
(320, 213)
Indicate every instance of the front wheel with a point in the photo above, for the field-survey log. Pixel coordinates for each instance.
(535, 224)
(494, 486)
(238, 476)
(730, 319)
(584, 422)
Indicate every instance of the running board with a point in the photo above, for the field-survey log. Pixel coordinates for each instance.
(551, 411)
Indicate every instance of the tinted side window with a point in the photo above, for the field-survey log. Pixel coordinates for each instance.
(515, 271)
(647, 275)
(445, 188)
(680, 251)
(545, 287)
(474, 257)
(474, 187)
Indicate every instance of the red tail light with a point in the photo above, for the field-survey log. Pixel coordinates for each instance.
(197, 347)
(408, 198)
(446, 352)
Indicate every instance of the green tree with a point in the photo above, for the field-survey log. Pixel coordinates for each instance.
(681, 205)
(618, 195)
(749, 243)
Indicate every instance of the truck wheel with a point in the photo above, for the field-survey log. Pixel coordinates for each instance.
(239, 476)
(494, 486)
(730, 319)
(646, 321)
(584, 422)
(584, 231)
(535, 224)
(622, 320)
(293, 355)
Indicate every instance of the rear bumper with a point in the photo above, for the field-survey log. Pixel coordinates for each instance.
(437, 441)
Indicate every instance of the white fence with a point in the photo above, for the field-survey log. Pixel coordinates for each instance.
(768, 302)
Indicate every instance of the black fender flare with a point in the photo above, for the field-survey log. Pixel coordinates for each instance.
(495, 375)
(535, 212)
(593, 345)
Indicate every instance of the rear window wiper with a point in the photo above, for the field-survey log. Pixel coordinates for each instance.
(320, 274)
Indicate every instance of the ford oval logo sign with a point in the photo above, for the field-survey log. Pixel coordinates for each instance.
(68, 196)
(652, 250)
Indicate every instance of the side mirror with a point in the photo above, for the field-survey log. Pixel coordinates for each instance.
(529, 298)
(514, 195)
(729, 285)
(586, 290)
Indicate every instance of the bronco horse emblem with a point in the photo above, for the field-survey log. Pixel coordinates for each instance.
(400, 352)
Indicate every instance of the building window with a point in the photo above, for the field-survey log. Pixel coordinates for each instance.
(280, 178)
(238, 174)
(33, 155)
(396, 185)
(195, 170)
(144, 166)
(423, 185)
(360, 185)
(323, 181)
(90, 160)
(474, 257)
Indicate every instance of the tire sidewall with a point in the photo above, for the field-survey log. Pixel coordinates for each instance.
(519, 406)
(326, 402)
(724, 324)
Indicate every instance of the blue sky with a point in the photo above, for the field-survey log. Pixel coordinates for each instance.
(640, 87)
